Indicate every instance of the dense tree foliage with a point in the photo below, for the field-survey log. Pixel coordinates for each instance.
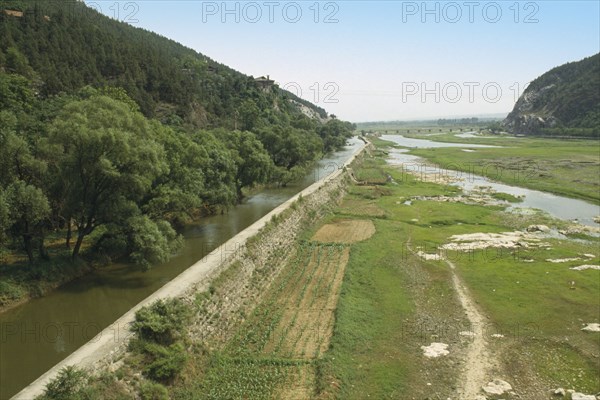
(571, 92)
(117, 136)
(76, 46)
(106, 160)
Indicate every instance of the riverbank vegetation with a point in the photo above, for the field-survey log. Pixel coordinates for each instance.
(117, 153)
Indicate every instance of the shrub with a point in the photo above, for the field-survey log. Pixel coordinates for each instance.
(153, 391)
(507, 197)
(162, 322)
(67, 385)
(166, 362)
(10, 291)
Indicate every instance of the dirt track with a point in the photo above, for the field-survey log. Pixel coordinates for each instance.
(477, 363)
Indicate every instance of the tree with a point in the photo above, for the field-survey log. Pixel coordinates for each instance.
(15, 93)
(17, 63)
(303, 122)
(495, 127)
(16, 159)
(108, 161)
(28, 206)
(219, 172)
(254, 166)
(290, 147)
(6, 218)
(248, 113)
(151, 242)
(175, 196)
(334, 134)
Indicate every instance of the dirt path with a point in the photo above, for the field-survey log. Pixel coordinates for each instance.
(477, 362)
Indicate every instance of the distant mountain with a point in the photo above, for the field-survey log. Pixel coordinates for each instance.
(564, 101)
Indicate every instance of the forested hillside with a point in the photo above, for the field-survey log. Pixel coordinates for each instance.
(564, 101)
(69, 45)
(112, 137)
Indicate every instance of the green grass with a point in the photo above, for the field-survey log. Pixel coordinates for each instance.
(506, 197)
(236, 378)
(380, 143)
(20, 280)
(564, 167)
(534, 304)
(531, 303)
(366, 354)
(243, 368)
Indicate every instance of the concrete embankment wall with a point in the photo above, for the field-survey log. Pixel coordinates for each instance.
(111, 342)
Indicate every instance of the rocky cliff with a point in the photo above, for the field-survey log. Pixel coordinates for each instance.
(564, 100)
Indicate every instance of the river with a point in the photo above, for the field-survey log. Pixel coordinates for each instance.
(40, 333)
(557, 206)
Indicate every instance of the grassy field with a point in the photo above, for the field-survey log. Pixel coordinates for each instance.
(569, 167)
(539, 307)
(274, 353)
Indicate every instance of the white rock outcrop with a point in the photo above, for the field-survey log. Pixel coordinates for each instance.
(497, 387)
(592, 327)
(584, 267)
(435, 350)
(581, 396)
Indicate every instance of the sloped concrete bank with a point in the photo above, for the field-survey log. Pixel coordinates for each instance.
(258, 252)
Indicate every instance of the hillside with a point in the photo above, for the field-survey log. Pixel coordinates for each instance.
(69, 45)
(114, 136)
(564, 101)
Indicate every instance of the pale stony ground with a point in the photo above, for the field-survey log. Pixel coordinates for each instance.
(478, 363)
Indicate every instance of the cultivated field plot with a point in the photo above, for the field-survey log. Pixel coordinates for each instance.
(273, 354)
(360, 208)
(345, 231)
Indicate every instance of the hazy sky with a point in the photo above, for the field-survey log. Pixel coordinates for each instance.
(382, 60)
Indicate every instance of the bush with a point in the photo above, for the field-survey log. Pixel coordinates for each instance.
(153, 391)
(67, 385)
(162, 322)
(10, 291)
(160, 328)
(166, 362)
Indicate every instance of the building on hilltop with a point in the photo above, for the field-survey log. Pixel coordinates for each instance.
(264, 83)
(19, 14)
(14, 13)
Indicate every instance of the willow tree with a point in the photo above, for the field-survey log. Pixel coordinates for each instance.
(28, 207)
(107, 161)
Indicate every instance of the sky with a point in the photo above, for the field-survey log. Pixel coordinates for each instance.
(382, 60)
